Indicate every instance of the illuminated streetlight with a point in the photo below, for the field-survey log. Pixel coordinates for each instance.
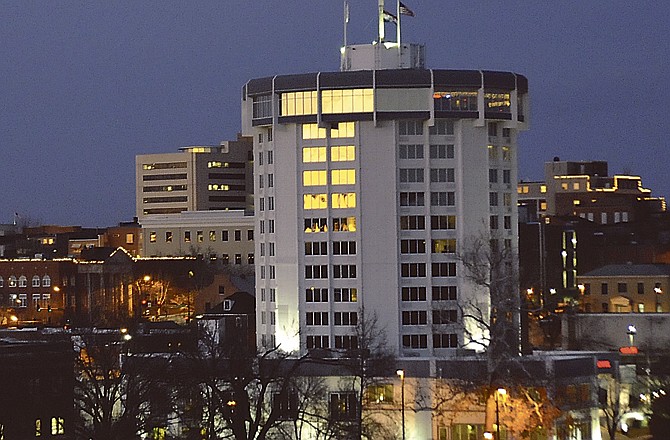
(401, 375)
(632, 331)
(499, 392)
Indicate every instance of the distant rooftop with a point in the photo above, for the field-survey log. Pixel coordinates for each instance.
(630, 270)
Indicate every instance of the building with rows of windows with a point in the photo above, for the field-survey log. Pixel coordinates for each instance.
(367, 182)
(201, 178)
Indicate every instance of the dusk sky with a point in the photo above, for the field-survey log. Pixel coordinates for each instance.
(86, 86)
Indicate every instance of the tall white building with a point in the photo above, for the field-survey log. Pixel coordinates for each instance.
(367, 181)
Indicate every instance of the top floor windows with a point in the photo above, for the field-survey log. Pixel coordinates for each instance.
(298, 103)
(262, 107)
(347, 101)
(455, 101)
(497, 102)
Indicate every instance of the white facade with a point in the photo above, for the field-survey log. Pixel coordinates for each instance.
(377, 151)
(226, 236)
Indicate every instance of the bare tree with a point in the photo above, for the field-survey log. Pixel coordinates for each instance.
(243, 394)
(115, 401)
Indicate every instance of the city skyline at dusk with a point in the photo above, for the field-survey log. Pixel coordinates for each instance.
(87, 88)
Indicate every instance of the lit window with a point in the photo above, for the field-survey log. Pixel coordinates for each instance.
(543, 189)
(313, 131)
(212, 235)
(493, 152)
(152, 237)
(314, 178)
(343, 130)
(344, 200)
(564, 186)
(200, 236)
(38, 428)
(576, 202)
(345, 153)
(315, 201)
(130, 238)
(506, 154)
(36, 281)
(298, 103)
(575, 186)
(12, 281)
(313, 154)
(57, 426)
(343, 177)
(347, 101)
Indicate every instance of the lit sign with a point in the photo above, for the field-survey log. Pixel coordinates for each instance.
(628, 350)
(604, 364)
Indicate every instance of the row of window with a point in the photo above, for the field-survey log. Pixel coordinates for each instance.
(270, 154)
(440, 340)
(419, 317)
(437, 198)
(494, 199)
(271, 226)
(340, 294)
(22, 281)
(415, 151)
(338, 224)
(339, 318)
(339, 248)
(337, 177)
(418, 246)
(273, 294)
(338, 153)
(332, 102)
(418, 270)
(494, 174)
(338, 201)
(21, 300)
(320, 271)
(437, 175)
(505, 152)
(622, 288)
(200, 236)
(339, 130)
(495, 224)
(418, 222)
(439, 293)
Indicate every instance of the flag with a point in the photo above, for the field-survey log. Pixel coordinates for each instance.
(390, 18)
(404, 10)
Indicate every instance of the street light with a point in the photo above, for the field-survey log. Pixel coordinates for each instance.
(401, 375)
(499, 392)
(632, 331)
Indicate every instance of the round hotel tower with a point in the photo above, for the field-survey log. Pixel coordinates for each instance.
(367, 181)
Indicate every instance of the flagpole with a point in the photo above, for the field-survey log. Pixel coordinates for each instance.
(346, 21)
(397, 14)
(381, 21)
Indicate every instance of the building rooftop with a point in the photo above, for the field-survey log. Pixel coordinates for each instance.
(630, 270)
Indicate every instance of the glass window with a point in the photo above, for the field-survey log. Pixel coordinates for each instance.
(314, 178)
(410, 128)
(455, 101)
(343, 177)
(313, 154)
(343, 130)
(347, 101)
(313, 131)
(315, 201)
(36, 281)
(298, 103)
(23, 281)
(343, 200)
(343, 153)
(497, 102)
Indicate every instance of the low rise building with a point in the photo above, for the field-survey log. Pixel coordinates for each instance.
(624, 288)
(226, 236)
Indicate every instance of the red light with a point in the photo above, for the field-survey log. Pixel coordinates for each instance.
(628, 350)
(603, 364)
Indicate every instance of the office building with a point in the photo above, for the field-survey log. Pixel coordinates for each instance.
(198, 178)
(367, 183)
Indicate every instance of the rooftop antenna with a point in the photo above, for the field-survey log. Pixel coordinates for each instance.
(346, 21)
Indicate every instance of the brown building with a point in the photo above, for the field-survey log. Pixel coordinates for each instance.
(34, 291)
(624, 288)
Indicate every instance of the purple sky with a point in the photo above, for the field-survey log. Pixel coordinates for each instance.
(85, 86)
